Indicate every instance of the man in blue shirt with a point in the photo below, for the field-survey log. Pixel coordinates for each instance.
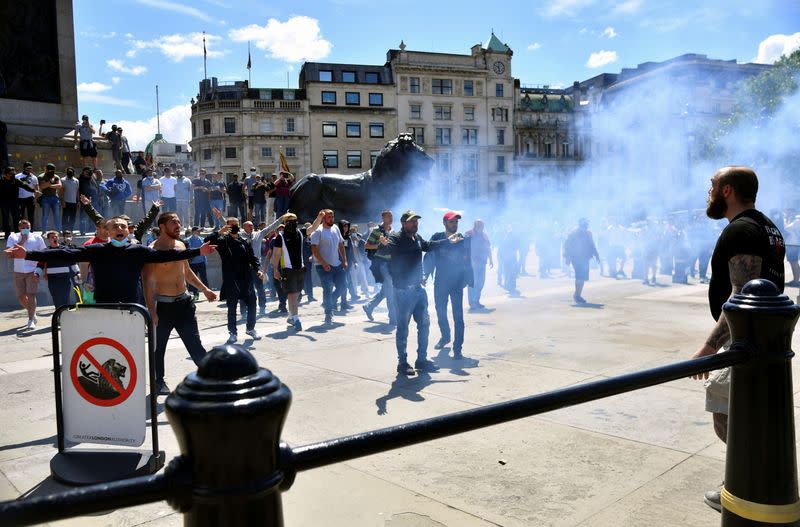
(119, 190)
(198, 263)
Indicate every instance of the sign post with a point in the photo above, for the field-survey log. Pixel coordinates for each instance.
(100, 367)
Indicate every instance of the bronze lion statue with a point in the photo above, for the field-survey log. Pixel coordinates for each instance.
(401, 165)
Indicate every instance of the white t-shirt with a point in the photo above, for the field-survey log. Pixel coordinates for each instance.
(33, 243)
(30, 180)
(327, 241)
(168, 186)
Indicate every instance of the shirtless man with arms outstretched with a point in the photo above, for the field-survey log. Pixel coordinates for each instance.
(170, 304)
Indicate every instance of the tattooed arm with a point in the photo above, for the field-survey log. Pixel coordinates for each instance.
(742, 268)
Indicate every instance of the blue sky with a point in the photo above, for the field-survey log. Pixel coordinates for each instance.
(124, 48)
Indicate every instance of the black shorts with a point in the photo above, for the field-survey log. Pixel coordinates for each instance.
(88, 149)
(581, 269)
(292, 280)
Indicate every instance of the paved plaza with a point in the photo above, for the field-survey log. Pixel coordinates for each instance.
(639, 459)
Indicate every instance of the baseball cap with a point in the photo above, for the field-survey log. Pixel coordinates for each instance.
(27, 164)
(450, 215)
(51, 166)
(409, 215)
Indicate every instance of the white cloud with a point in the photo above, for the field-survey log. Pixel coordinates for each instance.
(177, 47)
(601, 58)
(583, 31)
(609, 32)
(176, 7)
(630, 6)
(118, 65)
(115, 80)
(534, 46)
(295, 40)
(775, 46)
(566, 7)
(130, 53)
(92, 87)
(175, 127)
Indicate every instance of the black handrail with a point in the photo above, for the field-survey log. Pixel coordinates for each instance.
(375, 441)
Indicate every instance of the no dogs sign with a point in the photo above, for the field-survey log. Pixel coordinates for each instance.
(102, 376)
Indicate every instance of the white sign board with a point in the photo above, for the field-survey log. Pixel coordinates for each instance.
(103, 376)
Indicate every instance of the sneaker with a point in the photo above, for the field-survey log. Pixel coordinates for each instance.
(712, 499)
(253, 334)
(297, 325)
(405, 368)
(346, 307)
(442, 343)
(282, 309)
(290, 321)
(232, 338)
(426, 365)
(328, 319)
(368, 312)
(262, 312)
(162, 388)
(457, 354)
(31, 324)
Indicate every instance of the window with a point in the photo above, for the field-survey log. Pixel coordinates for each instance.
(469, 113)
(329, 97)
(348, 76)
(353, 129)
(442, 87)
(441, 112)
(373, 155)
(193, 130)
(352, 97)
(291, 151)
(266, 151)
(501, 136)
(419, 134)
(288, 95)
(498, 89)
(471, 163)
(354, 159)
(265, 126)
(206, 154)
(177, 149)
(442, 136)
(230, 152)
(371, 78)
(206, 126)
(331, 158)
(469, 136)
(469, 89)
(414, 84)
(501, 163)
(230, 125)
(265, 95)
(289, 124)
(376, 99)
(443, 162)
(325, 76)
(376, 129)
(564, 149)
(416, 111)
(329, 129)
(500, 114)
(548, 150)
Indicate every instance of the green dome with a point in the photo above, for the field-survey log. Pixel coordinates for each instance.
(158, 139)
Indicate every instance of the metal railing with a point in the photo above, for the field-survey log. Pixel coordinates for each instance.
(230, 408)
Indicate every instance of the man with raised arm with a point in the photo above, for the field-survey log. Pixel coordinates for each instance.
(749, 247)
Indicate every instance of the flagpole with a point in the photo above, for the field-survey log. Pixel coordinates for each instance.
(249, 66)
(205, 57)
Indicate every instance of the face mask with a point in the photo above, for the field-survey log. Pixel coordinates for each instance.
(252, 173)
(119, 243)
(235, 229)
(290, 227)
(24, 232)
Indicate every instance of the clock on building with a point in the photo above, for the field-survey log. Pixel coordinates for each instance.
(499, 67)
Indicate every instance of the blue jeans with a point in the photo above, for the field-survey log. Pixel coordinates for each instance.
(51, 205)
(259, 213)
(85, 222)
(329, 279)
(387, 290)
(117, 207)
(281, 205)
(411, 301)
(479, 277)
(170, 205)
(218, 204)
(447, 289)
(202, 210)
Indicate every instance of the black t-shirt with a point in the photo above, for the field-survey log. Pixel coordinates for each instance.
(293, 247)
(751, 233)
(235, 194)
(215, 192)
(200, 189)
(260, 194)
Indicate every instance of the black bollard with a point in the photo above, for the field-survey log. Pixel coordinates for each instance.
(228, 418)
(760, 465)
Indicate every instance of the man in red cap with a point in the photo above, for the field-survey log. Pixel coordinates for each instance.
(452, 265)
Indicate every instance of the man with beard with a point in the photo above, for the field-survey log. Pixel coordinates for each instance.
(170, 304)
(381, 257)
(238, 260)
(452, 266)
(749, 247)
(327, 245)
(288, 266)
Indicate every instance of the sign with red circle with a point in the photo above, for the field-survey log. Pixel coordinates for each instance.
(102, 382)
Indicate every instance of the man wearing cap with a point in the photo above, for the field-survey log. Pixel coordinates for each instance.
(50, 187)
(25, 198)
(380, 267)
(288, 266)
(452, 266)
(405, 267)
(84, 132)
(9, 196)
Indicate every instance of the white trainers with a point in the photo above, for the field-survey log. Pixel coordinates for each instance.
(231, 338)
(290, 320)
(253, 335)
(31, 324)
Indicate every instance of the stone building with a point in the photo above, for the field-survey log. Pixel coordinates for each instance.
(352, 114)
(235, 127)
